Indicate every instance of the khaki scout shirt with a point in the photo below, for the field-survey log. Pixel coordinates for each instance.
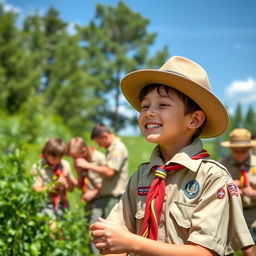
(201, 204)
(43, 174)
(95, 178)
(248, 202)
(117, 159)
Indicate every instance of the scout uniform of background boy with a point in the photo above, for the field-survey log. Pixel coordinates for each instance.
(242, 167)
(114, 173)
(44, 175)
(88, 181)
(197, 211)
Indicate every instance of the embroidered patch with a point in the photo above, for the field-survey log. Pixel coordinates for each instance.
(221, 193)
(191, 189)
(143, 191)
(232, 189)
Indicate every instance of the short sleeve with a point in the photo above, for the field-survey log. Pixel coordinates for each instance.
(115, 159)
(36, 174)
(66, 167)
(218, 213)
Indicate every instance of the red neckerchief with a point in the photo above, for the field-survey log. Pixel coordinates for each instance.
(155, 197)
(244, 181)
(57, 173)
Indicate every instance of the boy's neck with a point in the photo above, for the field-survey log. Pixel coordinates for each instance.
(168, 151)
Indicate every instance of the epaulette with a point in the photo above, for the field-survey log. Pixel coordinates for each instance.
(216, 163)
(143, 164)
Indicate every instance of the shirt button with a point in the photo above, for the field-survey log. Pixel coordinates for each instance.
(161, 224)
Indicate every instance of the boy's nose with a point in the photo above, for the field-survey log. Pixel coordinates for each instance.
(150, 112)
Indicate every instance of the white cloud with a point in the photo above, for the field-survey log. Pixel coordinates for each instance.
(242, 88)
(11, 8)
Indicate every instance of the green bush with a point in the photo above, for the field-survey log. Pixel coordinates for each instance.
(23, 229)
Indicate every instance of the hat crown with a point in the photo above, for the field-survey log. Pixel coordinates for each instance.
(187, 68)
(240, 135)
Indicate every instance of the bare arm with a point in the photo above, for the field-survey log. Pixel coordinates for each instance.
(101, 169)
(111, 239)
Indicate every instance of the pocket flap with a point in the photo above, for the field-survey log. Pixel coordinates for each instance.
(182, 214)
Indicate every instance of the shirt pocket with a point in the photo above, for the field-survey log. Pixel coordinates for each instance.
(182, 213)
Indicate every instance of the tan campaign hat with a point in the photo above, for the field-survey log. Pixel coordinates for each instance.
(187, 77)
(239, 138)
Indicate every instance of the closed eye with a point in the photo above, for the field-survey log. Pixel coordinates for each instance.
(144, 106)
(164, 105)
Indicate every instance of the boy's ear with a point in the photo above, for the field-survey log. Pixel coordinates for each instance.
(197, 119)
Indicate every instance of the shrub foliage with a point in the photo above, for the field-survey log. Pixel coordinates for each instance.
(23, 229)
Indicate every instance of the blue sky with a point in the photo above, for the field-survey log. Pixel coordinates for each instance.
(218, 34)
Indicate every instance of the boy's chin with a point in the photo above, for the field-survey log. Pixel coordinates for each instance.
(153, 138)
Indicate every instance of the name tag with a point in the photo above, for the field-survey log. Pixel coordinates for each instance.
(143, 191)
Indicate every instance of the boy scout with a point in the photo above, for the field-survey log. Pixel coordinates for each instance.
(181, 202)
(52, 168)
(242, 166)
(87, 180)
(114, 172)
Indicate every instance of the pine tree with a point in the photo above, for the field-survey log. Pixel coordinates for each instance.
(117, 42)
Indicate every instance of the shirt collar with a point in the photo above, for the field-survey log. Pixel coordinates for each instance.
(182, 157)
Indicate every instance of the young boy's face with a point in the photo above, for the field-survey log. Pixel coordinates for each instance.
(53, 160)
(75, 153)
(240, 154)
(162, 118)
(103, 141)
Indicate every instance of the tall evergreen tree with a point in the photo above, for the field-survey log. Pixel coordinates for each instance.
(15, 73)
(237, 120)
(117, 42)
(250, 120)
(69, 91)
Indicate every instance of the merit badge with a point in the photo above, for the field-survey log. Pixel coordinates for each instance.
(232, 189)
(221, 193)
(143, 191)
(191, 189)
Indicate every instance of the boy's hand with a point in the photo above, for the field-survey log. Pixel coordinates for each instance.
(62, 180)
(109, 237)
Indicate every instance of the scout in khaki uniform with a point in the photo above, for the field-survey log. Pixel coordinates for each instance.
(114, 172)
(52, 173)
(242, 167)
(88, 181)
(181, 202)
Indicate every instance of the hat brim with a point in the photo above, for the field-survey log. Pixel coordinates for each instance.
(229, 144)
(216, 114)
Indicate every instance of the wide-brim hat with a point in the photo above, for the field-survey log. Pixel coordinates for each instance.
(239, 138)
(187, 77)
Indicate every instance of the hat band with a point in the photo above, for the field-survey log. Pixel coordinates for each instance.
(177, 73)
(240, 141)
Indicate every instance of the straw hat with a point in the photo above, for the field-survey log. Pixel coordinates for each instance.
(239, 138)
(187, 77)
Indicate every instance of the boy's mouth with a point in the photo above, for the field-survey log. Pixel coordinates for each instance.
(152, 125)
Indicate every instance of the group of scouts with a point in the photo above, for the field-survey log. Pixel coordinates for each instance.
(179, 203)
(101, 177)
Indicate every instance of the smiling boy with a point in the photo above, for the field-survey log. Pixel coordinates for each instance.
(181, 202)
